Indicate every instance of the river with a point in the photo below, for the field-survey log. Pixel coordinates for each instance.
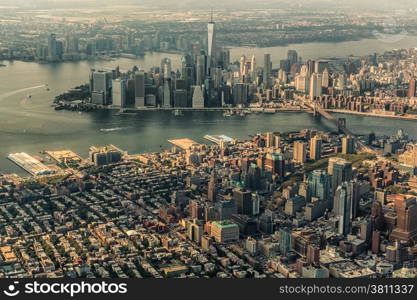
(32, 125)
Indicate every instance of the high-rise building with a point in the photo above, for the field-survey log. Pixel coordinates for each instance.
(52, 48)
(406, 227)
(316, 85)
(198, 98)
(292, 56)
(119, 93)
(267, 71)
(211, 45)
(300, 152)
(340, 170)
(101, 86)
(269, 139)
(139, 89)
(224, 231)
(348, 145)
(276, 164)
(343, 197)
(166, 96)
(412, 90)
(319, 185)
(320, 66)
(315, 148)
(243, 201)
(285, 240)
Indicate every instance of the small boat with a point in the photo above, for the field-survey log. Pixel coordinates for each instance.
(227, 114)
(177, 113)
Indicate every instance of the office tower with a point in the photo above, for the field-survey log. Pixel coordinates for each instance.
(275, 164)
(376, 240)
(348, 145)
(311, 65)
(304, 190)
(277, 141)
(200, 70)
(285, 240)
(212, 188)
(412, 91)
(240, 94)
(180, 98)
(187, 71)
(313, 254)
(224, 231)
(166, 96)
(211, 45)
(267, 71)
(243, 201)
(166, 68)
(325, 79)
(253, 74)
(140, 89)
(340, 170)
(315, 148)
(343, 197)
(269, 139)
(316, 85)
(52, 48)
(195, 231)
(242, 68)
(406, 227)
(119, 92)
(285, 65)
(198, 98)
(319, 185)
(320, 66)
(300, 152)
(101, 85)
(292, 56)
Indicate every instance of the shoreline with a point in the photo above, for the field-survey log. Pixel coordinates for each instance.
(406, 117)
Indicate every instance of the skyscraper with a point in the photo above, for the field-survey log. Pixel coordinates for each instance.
(139, 89)
(344, 197)
(300, 152)
(52, 48)
(315, 148)
(348, 145)
(119, 92)
(340, 170)
(292, 56)
(101, 85)
(406, 228)
(211, 44)
(276, 164)
(243, 201)
(198, 98)
(319, 185)
(316, 82)
(267, 71)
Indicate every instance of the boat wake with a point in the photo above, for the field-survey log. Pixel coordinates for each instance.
(112, 129)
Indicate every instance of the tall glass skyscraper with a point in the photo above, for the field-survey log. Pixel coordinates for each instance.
(211, 44)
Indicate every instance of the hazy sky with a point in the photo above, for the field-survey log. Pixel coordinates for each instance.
(370, 4)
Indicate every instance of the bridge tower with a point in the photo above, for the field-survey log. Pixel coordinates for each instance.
(315, 113)
(341, 125)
